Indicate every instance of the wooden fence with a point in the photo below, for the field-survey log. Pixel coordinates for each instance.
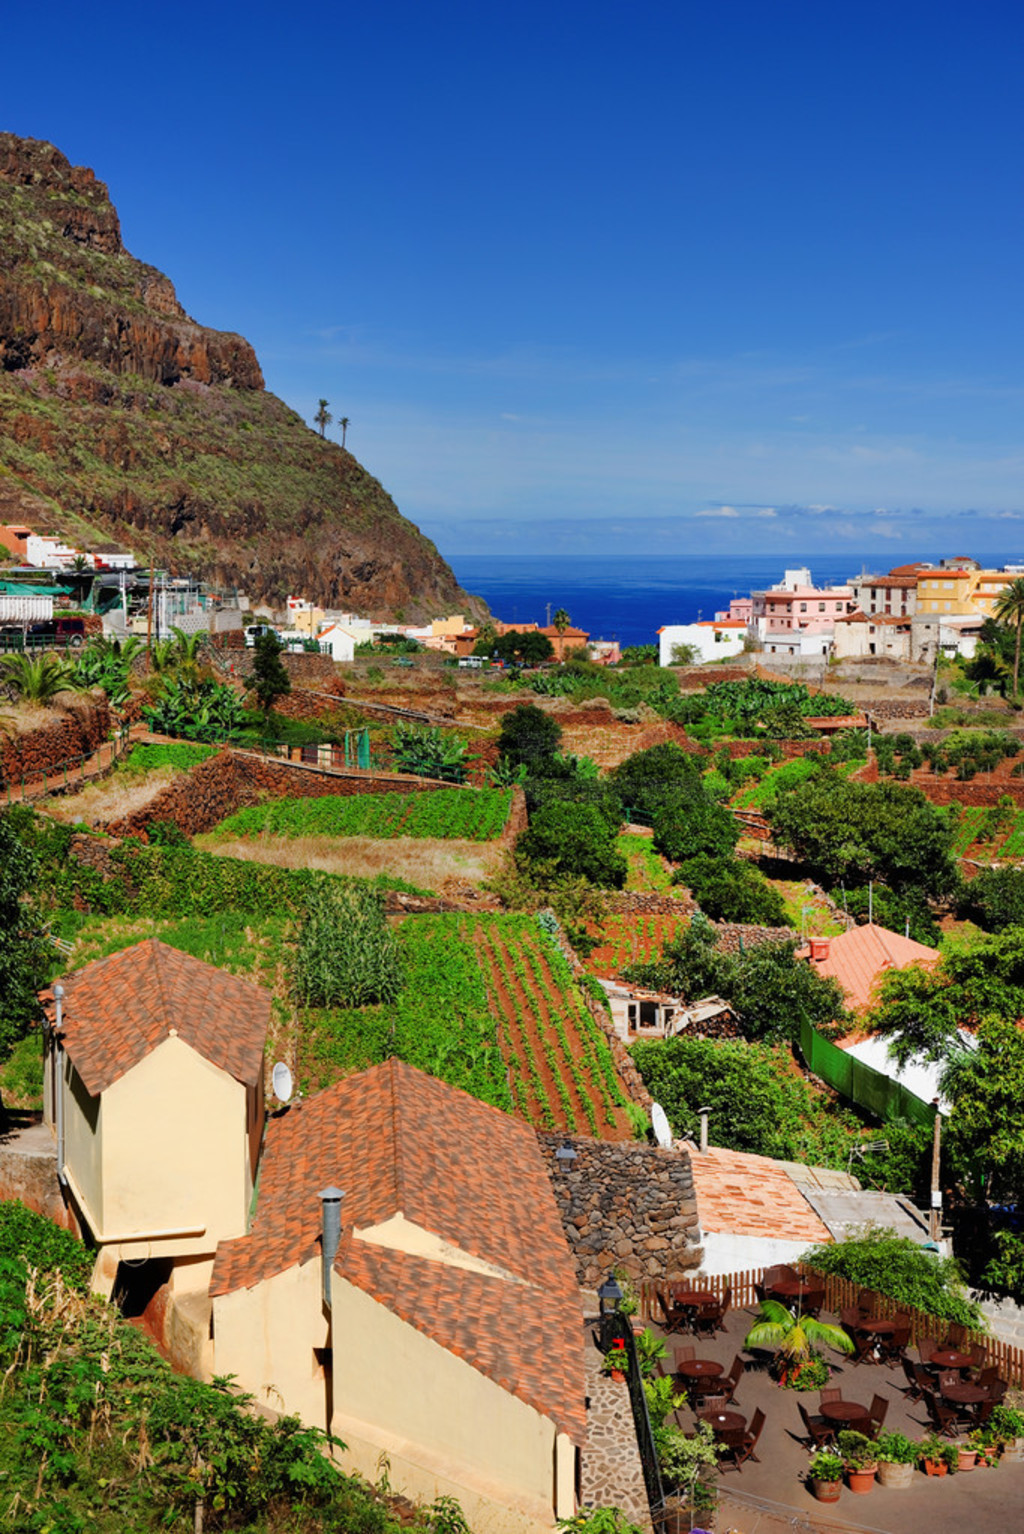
(839, 1293)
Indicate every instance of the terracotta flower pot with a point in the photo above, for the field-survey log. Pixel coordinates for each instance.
(862, 1478)
(827, 1491)
(936, 1467)
(618, 1376)
(966, 1459)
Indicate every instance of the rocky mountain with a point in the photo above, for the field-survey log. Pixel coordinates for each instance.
(123, 420)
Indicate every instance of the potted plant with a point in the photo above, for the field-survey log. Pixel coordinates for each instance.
(649, 1351)
(1007, 1423)
(938, 1456)
(616, 1363)
(985, 1442)
(806, 1376)
(825, 1474)
(794, 1335)
(966, 1453)
(860, 1458)
(897, 1456)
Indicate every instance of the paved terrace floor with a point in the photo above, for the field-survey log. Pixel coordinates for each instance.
(983, 1501)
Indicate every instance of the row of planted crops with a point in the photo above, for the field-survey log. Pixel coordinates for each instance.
(443, 814)
(488, 1003)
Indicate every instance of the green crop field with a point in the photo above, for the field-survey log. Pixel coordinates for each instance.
(444, 814)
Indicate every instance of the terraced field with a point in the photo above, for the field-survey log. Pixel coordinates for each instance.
(632, 939)
(443, 814)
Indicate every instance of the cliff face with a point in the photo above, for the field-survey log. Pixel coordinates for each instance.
(122, 419)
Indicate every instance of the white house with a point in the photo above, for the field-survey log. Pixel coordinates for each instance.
(715, 640)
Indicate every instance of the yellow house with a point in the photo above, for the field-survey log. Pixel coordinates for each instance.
(965, 593)
(154, 1092)
(406, 1283)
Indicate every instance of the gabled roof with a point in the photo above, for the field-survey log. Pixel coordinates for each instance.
(739, 1194)
(861, 956)
(403, 1143)
(117, 1010)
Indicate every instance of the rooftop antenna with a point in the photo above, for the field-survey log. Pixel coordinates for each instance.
(281, 1083)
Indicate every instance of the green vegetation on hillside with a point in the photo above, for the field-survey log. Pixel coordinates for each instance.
(476, 815)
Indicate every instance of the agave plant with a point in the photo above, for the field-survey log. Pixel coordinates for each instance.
(794, 1335)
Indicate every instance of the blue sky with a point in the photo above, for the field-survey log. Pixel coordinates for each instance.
(586, 278)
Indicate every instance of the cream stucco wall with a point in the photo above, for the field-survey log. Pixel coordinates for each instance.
(266, 1336)
(164, 1150)
(446, 1428)
(439, 1419)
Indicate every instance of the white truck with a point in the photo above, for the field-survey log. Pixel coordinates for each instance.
(15, 608)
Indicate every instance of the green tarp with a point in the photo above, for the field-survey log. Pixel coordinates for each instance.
(878, 1095)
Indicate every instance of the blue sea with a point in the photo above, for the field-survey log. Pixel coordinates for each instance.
(630, 599)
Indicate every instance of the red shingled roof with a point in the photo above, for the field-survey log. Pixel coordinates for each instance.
(119, 1009)
(398, 1141)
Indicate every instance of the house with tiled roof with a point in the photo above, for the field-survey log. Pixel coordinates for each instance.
(861, 956)
(752, 1211)
(437, 1320)
(153, 1088)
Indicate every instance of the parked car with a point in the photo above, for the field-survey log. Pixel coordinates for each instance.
(58, 632)
(256, 631)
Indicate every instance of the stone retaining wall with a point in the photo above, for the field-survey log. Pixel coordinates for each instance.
(628, 1206)
(731, 935)
(81, 726)
(201, 798)
(644, 903)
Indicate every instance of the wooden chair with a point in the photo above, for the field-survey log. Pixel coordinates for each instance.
(947, 1377)
(943, 1415)
(707, 1318)
(867, 1299)
(864, 1345)
(927, 1347)
(894, 1347)
(956, 1336)
(830, 1393)
(988, 1376)
(912, 1389)
(683, 1353)
(978, 1356)
(877, 1413)
(730, 1447)
(819, 1431)
(714, 1398)
(812, 1302)
(997, 1391)
(729, 1381)
(725, 1307)
(750, 1438)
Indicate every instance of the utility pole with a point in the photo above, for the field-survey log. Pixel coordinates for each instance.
(935, 1212)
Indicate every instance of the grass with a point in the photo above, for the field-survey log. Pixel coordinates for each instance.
(819, 919)
(21, 1075)
(112, 797)
(180, 755)
(646, 869)
(416, 865)
(446, 814)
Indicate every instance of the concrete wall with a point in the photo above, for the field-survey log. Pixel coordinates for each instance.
(725, 1253)
(265, 1336)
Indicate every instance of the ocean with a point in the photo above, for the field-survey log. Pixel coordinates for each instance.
(630, 599)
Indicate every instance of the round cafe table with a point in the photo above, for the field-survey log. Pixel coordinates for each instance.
(701, 1369)
(949, 1358)
(791, 1288)
(683, 1296)
(724, 1421)
(844, 1412)
(965, 1394)
(877, 1328)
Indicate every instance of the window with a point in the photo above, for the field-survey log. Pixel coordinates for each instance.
(821, 607)
(803, 607)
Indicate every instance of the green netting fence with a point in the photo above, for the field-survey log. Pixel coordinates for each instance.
(861, 1084)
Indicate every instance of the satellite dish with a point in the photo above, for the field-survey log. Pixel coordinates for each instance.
(281, 1082)
(661, 1126)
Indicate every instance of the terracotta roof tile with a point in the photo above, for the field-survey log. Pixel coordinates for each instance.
(120, 1008)
(745, 1195)
(860, 957)
(398, 1141)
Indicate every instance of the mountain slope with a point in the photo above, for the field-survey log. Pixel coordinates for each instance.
(121, 418)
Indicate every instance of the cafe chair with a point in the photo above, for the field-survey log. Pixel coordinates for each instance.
(927, 1347)
(707, 1318)
(987, 1377)
(729, 1382)
(956, 1336)
(943, 1415)
(877, 1413)
(913, 1388)
(830, 1393)
(893, 1348)
(819, 1431)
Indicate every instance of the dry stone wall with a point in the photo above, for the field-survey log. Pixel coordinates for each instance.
(627, 1206)
(77, 731)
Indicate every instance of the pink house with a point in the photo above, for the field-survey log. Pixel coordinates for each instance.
(805, 607)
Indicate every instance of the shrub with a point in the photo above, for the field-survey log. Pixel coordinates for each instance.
(732, 891)
(38, 1243)
(898, 1267)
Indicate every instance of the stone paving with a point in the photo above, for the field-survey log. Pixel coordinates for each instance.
(610, 1473)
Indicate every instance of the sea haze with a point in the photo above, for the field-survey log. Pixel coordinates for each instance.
(630, 599)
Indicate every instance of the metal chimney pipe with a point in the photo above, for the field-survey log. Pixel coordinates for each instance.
(703, 1127)
(330, 1200)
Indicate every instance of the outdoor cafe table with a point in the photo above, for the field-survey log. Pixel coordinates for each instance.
(965, 1394)
(877, 1328)
(724, 1421)
(792, 1288)
(701, 1368)
(949, 1358)
(682, 1302)
(844, 1412)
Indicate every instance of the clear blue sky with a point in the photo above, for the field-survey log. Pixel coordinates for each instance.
(592, 276)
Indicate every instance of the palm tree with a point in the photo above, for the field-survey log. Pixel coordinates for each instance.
(561, 621)
(323, 417)
(1010, 610)
(343, 423)
(37, 678)
(793, 1334)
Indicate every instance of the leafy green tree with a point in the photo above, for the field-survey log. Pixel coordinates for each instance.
(690, 824)
(528, 735)
(685, 655)
(523, 648)
(893, 911)
(648, 779)
(995, 898)
(323, 417)
(22, 952)
(573, 839)
(1009, 609)
(640, 655)
(855, 832)
(270, 680)
(919, 1011)
(730, 890)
